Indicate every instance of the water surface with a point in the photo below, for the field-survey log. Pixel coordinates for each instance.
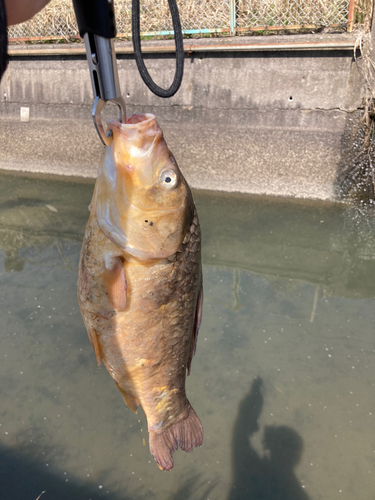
(283, 379)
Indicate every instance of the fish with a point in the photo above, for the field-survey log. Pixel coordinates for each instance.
(140, 282)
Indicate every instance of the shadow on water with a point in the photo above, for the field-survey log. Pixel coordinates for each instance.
(195, 489)
(270, 475)
(25, 477)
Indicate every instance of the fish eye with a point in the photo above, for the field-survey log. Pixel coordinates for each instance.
(169, 179)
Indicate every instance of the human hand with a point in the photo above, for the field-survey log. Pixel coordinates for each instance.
(19, 11)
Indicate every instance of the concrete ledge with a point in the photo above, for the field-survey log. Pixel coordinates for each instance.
(343, 41)
(293, 153)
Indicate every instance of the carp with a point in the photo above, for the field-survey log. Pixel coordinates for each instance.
(140, 282)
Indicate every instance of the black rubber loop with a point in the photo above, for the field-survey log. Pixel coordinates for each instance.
(136, 30)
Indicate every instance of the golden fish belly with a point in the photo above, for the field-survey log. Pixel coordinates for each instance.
(147, 346)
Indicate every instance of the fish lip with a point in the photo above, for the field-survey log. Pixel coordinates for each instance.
(115, 124)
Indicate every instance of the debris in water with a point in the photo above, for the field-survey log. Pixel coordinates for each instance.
(52, 208)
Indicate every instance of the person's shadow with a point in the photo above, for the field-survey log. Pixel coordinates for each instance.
(267, 476)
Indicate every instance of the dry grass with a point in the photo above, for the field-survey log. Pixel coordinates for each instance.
(363, 13)
(58, 19)
(299, 12)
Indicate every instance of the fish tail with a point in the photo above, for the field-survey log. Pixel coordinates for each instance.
(186, 434)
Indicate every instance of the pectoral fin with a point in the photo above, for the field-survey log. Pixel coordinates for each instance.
(116, 282)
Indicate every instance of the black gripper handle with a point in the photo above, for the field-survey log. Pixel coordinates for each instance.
(95, 17)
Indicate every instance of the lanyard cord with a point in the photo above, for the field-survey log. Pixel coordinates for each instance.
(179, 51)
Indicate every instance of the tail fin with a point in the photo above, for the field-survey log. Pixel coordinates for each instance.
(186, 434)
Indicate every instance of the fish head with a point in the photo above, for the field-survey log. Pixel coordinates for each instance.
(142, 201)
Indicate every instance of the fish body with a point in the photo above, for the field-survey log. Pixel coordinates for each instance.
(140, 282)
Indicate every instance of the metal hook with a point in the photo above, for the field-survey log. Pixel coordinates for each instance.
(96, 115)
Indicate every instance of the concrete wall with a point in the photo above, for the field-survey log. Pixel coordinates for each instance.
(259, 120)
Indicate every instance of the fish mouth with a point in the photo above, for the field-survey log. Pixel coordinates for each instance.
(135, 141)
(140, 122)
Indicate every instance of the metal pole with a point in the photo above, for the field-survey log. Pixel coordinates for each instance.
(233, 17)
(350, 16)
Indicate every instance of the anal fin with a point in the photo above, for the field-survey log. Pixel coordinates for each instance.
(131, 401)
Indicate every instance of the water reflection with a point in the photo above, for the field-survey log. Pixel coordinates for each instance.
(329, 245)
(325, 244)
(270, 475)
(36, 213)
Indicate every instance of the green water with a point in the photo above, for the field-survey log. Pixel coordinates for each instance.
(283, 379)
